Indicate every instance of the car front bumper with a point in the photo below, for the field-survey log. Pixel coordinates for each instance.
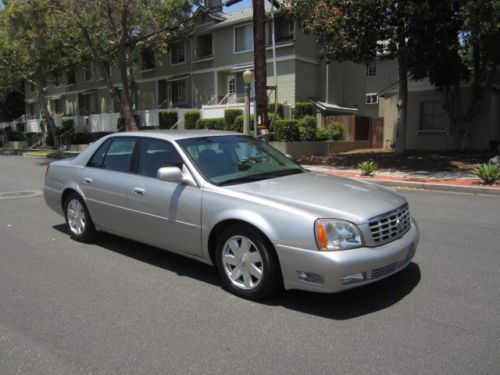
(331, 271)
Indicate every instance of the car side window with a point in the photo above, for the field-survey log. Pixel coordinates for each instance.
(155, 154)
(119, 154)
(98, 157)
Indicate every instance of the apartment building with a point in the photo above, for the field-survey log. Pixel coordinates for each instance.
(204, 70)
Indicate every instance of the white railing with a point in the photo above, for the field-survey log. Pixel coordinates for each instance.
(33, 126)
(217, 111)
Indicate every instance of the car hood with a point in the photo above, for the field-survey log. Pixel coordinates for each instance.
(326, 196)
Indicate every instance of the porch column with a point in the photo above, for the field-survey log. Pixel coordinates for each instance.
(216, 87)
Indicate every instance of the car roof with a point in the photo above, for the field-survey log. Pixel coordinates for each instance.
(173, 135)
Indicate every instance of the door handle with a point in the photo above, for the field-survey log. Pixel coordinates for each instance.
(87, 180)
(139, 191)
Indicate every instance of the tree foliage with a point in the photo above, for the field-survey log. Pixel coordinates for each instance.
(450, 42)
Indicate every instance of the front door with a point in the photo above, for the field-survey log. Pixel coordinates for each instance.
(231, 87)
(163, 214)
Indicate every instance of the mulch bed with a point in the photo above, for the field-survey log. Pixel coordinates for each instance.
(429, 161)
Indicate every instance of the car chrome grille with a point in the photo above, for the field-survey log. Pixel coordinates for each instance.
(382, 271)
(391, 225)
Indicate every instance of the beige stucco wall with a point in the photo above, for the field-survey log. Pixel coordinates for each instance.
(418, 140)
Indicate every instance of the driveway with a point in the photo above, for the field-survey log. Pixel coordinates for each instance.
(117, 306)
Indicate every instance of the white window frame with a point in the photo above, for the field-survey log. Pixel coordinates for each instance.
(170, 53)
(372, 64)
(234, 39)
(421, 130)
(368, 95)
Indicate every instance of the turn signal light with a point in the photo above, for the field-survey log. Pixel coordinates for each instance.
(321, 235)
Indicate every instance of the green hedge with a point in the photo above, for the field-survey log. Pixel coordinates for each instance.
(239, 122)
(334, 131)
(82, 138)
(190, 119)
(211, 123)
(230, 117)
(307, 128)
(167, 119)
(120, 124)
(303, 109)
(67, 125)
(286, 131)
(15, 137)
(20, 127)
(280, 112)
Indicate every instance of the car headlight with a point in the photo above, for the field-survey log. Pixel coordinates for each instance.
(334, 234)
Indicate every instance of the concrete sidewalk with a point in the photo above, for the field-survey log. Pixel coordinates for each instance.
(458, 181)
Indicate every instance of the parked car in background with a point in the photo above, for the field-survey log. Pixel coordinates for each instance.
(237, 203)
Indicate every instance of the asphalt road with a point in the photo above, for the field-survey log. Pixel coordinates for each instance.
(120, 307)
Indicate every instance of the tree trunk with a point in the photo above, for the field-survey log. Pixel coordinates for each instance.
(400, 147)
(49, 120)
(127, 108)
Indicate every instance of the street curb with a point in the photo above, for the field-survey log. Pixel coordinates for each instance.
(434, 187)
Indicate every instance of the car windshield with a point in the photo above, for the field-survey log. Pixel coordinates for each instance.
(233, 159)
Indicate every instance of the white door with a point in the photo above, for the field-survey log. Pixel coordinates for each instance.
(231, 87)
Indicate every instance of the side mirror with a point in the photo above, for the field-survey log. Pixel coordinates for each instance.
(170, 174)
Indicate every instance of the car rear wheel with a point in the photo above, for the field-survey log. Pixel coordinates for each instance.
(78, 221)
(246, 263)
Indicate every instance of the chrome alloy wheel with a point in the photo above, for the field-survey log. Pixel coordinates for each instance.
(242, 262)
(76, 216)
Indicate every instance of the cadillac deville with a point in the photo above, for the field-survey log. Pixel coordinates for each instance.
(237, 203)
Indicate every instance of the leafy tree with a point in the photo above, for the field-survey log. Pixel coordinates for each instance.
(117, 32)
(466, 52)
(451, 42)
(35, 45)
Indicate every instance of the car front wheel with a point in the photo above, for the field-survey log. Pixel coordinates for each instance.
(78, 221)
(247, 263)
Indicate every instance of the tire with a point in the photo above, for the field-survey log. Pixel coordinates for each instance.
(247, 263)
(78, 221)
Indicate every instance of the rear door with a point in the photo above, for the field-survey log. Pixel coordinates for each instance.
(165, 214)
(105, 182)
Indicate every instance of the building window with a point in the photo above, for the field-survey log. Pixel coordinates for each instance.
(71, 77)
(433, 117)
(371, 69)
(147, 59)
(243, 38)
(177, 93)
(177, 53)
(58, 106)
(283, 31)
(203, 46)
(88, 104)
(371, 99)
(88, 72)
(107, 66)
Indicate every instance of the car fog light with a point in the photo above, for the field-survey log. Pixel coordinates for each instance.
(355, 278)
(310, 277)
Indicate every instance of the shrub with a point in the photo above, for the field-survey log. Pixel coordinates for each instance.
(368, 168)
(335, 131)
(276, 118)
(211, 123)
(489, 173)
(190, 119)
(167, 119)
(307, 128)
(20, 127)
(239, 122)
(230, 117)
(322, 134)
(148, 127)
(81, 138)
(280, 112)
(67, 125)
(120, 123)
(303, 109)
(286, 131)
(15, 137)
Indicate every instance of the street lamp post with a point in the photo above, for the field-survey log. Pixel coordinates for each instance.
(247, 78)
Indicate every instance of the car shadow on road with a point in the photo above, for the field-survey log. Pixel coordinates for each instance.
(341, 306)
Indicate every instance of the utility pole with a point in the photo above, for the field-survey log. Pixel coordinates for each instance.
(259, 22)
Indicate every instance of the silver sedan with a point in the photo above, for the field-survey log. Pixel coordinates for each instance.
(237, 203)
